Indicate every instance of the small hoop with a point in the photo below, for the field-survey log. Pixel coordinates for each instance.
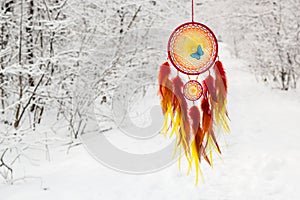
(193, 90)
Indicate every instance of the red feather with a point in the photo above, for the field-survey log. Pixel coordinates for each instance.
(178, 96)
(178, 85)
(164, 73)
(165, 86)
(195, 118)
(209, 83)
(207, 122)
(220, 110)
(198, 133)
(180, 105)
(219, 70)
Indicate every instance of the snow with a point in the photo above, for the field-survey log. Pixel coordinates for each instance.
(260, 158)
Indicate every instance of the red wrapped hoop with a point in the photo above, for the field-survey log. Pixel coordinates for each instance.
(192, 90)
(192, 48)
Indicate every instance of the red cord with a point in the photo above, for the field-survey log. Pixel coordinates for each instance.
(192, 10)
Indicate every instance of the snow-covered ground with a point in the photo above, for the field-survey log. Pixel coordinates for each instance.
(261, 160)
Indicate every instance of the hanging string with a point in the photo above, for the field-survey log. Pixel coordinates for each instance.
(192, 10)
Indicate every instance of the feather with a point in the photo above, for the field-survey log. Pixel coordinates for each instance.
(195, 119)
(220, 71)
(166, 94)
(180, 110)
(199, 134)
(207, 128)
(163, 76)
(220, 107)
(209, 84)
(194, 114)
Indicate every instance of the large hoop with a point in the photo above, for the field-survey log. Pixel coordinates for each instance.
(192, 48)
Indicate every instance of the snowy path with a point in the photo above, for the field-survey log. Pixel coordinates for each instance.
(260, 162)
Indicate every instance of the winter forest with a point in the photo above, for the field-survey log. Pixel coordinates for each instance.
(59, 57)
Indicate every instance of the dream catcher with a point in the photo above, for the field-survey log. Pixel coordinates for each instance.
(194, 101)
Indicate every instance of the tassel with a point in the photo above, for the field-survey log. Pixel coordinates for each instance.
(174, 107)
(195, 119)
(166, 94)
(207, 128)
(181, 123)
(198, 132)
(197, 147)
(220, 107)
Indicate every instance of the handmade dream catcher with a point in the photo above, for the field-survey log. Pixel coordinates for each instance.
(194, 110)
